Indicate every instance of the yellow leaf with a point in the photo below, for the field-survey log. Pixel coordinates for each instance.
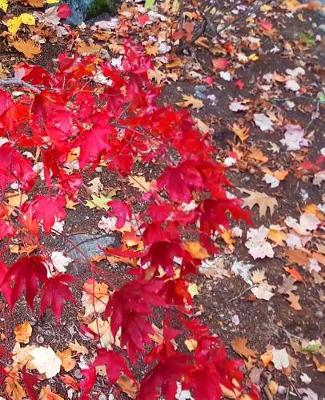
(191, 344)
(13, 24)
(28, 47)
(4, 5)
(23, 332)
(52, 1)
(253, 57)
(196, 250)
(27, 19)
(68, 363)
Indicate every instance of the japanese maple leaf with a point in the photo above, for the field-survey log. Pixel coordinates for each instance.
(64, 11)
(14, 167)
(130, 308)
(180, 181)
(47, 210)
(114, 363)
(121, 210)
(5, 101)
(25, 275)
(55, 292)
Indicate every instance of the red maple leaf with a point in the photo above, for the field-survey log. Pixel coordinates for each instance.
(94, 144)
(88, 383)
(121, 210)
(24, 276)
(46, 210)
(64, 11)
(180, 181)
(14, 167)
(30, 381)
(5, 287)
(130, 308)
(114, 363)
(55, 292)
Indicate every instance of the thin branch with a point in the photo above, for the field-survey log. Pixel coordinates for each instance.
(19, 82)
(241, 293)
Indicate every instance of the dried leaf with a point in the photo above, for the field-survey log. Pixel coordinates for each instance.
(191, 101)
(27, 47)
(68, 363)
(239, 345)
(263, 201)
(128, 386)
(23, 332)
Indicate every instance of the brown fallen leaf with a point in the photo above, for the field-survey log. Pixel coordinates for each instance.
(23, 332)
(139, 182)
(196, 250)
(241, 131)
(262, 200)
(47, 394)
(297, 256)
(128, 386)
(294, 301)
(78, 348)
(13, 388)
(257, 155)
(28, 47)
(86, 49)
(67, 361)
(191, 101)
(239, 345)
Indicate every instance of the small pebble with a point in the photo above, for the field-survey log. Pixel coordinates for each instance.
(319, 314)
(282, 390)
(102, 396)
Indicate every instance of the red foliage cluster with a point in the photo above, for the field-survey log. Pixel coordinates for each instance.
(120, 123)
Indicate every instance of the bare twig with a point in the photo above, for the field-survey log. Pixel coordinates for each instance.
(241, 293)
(19, 82)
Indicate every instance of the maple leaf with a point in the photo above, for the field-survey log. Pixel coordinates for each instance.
(15, 167)
(24, 276)
(239, 345)
(30, 381)
(64, 11)
(129, 309)
(55, 292)
(94, 144)
(121, 210)
(263, 201)
(47, 210)
(180, 181)
(88, 383)
(114, 363)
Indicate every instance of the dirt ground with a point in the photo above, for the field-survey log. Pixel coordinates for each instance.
(258, 56)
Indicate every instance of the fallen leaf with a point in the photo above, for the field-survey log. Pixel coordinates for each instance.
(240, 131)
(239, 345)
(196, 250)
(140, 183)
(4, 5)
(28, 47)
(262, 200)
(263, 291)
(45, 361)
(78, 348)
(263, 122)
(128, 386)
(47, 394)
(294, 301)
(67, 362)
(280, 358)
(23, 332)
(191, 101)
(13, 388)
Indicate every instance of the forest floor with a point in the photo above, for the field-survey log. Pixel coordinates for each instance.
(251, 72)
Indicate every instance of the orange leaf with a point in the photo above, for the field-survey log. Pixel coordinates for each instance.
(47, 394)
(196, 250)
(239, 345)
(294, 273)
(68, 380)
(23, 332)
(68, 363)
(27, 47)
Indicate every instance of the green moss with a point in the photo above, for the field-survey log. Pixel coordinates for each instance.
(101, 6)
